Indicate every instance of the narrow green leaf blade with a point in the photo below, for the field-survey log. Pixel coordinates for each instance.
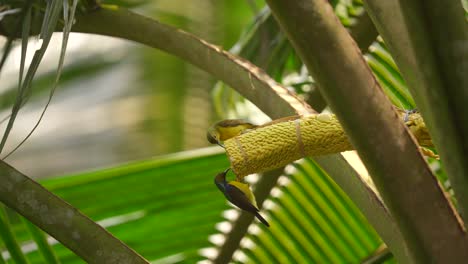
(9, 239)
(41, 241)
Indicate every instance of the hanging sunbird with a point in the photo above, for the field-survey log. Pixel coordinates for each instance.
(227, 129)
(239, 194)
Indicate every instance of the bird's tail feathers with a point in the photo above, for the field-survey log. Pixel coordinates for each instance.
(260, 217)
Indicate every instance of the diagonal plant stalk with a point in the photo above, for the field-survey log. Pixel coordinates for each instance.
(363, 32)
(425, 217)
(428, 41)
(62, 221)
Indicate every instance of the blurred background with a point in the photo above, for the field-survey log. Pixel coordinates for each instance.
(110, 142)
(119, 101)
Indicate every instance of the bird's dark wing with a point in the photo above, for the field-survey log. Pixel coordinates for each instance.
(239, 199)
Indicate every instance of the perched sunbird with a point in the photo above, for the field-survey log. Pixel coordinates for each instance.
(239, 194)
(227, 129)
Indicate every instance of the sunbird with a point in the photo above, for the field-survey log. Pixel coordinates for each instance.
(227, 129)
(239, 194)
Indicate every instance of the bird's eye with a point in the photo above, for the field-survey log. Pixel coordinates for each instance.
(213, 139)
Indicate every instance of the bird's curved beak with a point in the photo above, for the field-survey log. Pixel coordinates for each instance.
(227, 170)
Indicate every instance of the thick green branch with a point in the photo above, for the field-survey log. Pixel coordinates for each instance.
(428, 41)
(411, 192)
(62, 221)
(363, 32)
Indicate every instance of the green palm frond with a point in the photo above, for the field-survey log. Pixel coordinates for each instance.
(157, 207)
(388, 75)
(312, 221)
